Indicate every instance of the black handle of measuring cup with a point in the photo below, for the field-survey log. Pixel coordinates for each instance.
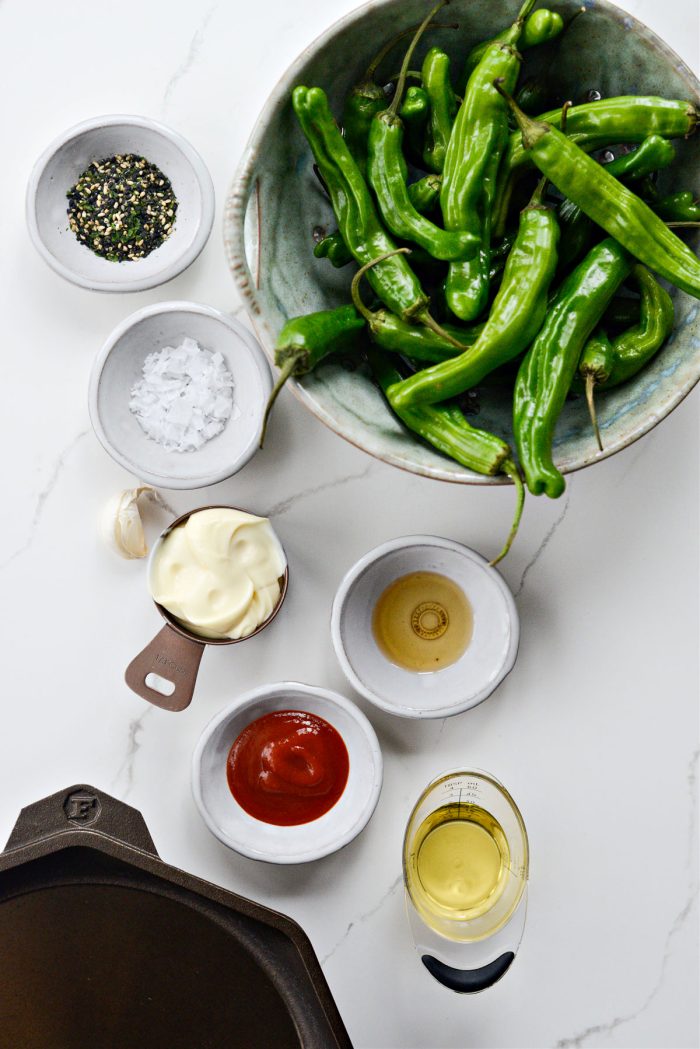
(468, 981)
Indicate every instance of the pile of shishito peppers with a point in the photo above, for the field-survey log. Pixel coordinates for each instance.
(540, 282)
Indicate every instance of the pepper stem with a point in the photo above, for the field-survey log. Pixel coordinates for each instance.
(414, 74)
(425, 318)
(590, 400)
(577, 14)
(381, 55)
(509, 467)
(401, 83)
(531, 130)
(355, 286)
(537, 198)
(564, 115)
(524, 12)
(285, 371)
(682, 225)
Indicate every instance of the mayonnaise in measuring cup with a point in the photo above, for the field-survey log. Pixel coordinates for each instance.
(218, 572)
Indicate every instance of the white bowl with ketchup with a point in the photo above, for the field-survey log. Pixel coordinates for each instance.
(287, 773)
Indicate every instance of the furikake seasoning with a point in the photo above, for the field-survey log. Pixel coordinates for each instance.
(122, 208)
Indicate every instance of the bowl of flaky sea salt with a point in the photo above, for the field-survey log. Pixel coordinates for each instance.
(178, 394)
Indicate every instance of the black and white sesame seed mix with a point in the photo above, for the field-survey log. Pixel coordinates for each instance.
(122, 208)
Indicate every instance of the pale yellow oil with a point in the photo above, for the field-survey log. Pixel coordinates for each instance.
(457, 863)
(423, 622)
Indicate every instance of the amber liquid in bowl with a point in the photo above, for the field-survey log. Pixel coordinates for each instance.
(423, 622)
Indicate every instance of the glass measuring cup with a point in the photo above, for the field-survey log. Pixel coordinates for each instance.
(467, 886)
(174, 654)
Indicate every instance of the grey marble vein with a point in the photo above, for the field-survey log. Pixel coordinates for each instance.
(43, 495)
(190, 58)
(577, 1041)
(133, 745)
(543, 546)
(363, 918)
(285, 505)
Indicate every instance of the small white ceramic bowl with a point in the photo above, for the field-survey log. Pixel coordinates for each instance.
(58, 169)
(307, 841)
(119, 364)
(489, 656)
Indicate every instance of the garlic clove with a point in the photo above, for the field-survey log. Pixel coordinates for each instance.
(121, 525)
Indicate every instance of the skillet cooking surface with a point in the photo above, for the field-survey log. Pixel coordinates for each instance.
(108, 967)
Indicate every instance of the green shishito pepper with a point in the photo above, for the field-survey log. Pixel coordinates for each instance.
(388, 172)
(499, 254)
(393, 280)
(627, 118)
(577, 235)
(478, 138)
(653, 154)
(538, 28)
(442, 107)
(305, 341)
(678, 207)
(610, 204)
(548, 368)
(578, 231)
(532, 95)
(423, 193)
(415, 107)
(333, 248)
(414, 112)
(608, 363)
(362, 103)
(367, 98)
(447, 430)
(516, 315)
(399, 336)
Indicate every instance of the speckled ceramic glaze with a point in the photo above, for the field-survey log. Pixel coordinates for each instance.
(276, 202)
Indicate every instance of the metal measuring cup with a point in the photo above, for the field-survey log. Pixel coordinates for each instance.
(175, 652)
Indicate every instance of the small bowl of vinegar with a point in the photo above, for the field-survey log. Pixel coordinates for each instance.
(423, 627)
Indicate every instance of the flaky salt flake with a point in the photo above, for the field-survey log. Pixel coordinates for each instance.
(184, 397)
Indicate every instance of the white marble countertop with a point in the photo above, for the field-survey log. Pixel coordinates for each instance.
(596, 730)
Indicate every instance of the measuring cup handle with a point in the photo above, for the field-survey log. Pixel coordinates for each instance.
(468, 981)
(172, 658)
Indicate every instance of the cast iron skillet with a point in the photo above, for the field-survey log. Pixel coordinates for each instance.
(104, 946)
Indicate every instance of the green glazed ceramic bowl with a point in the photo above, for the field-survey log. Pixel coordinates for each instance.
(276, 203)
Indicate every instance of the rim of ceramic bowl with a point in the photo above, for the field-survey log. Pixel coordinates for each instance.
(189, 154)
(236, 207)
(156, 308)
(402, 543)
(251, 699)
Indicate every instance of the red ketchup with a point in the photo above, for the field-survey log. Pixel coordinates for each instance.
(288, 767)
